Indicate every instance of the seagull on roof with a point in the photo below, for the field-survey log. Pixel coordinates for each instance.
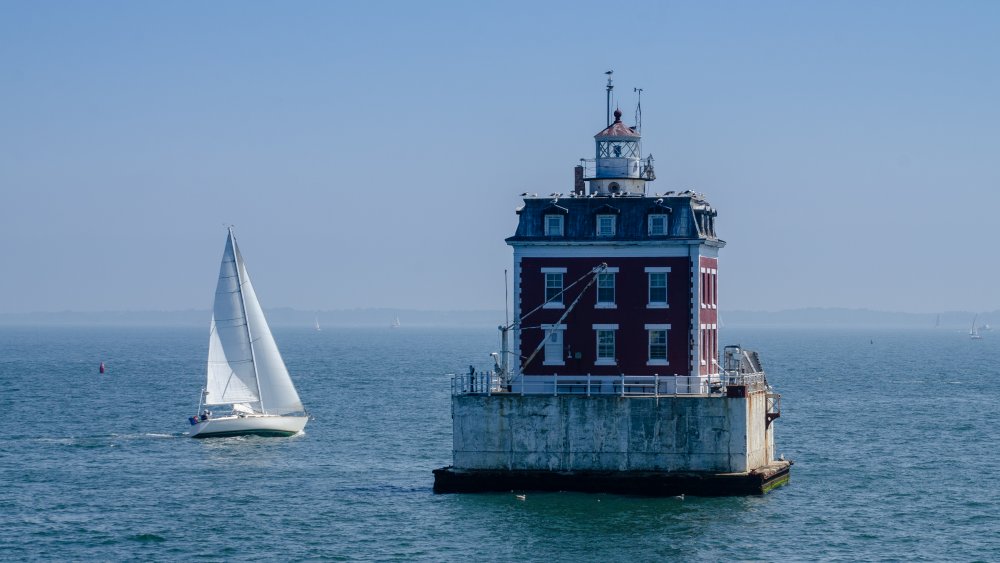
(524, 194)
(669, 193)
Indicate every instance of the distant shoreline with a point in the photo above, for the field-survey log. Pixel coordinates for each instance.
(378, 317)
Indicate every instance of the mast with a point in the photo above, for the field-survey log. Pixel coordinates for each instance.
(243, 304)
(610, 88)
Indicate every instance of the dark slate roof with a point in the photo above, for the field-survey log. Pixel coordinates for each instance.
(689, 218)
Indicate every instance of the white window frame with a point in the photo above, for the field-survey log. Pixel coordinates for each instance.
(665, 304)
(600, 329)
(614, 224)
(545, 288)
(650, 329)
(549, 330)
(649, 224)
(561, 222)
(613, 304)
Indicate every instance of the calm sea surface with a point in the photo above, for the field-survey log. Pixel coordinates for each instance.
(895, 436)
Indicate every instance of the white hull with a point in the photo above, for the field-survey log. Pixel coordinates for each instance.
(251, 424)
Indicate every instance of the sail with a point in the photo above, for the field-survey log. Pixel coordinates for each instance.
(277, 393)
(231, 374)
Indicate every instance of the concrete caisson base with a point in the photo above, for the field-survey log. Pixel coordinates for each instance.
(644, 483)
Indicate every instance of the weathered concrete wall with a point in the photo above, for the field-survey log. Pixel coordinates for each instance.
(609, 433)
(758, 453)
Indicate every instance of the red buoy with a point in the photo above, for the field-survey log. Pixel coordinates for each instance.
(102, 367)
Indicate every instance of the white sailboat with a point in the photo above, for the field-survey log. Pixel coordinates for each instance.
(395, 322)
(318, 328)
(245, 369)
(974, 332)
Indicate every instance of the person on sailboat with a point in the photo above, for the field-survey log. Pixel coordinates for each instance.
(206, 415)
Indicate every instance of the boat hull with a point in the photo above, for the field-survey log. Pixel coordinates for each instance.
(249, 425)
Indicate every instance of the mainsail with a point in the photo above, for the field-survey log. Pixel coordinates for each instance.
(244, 365)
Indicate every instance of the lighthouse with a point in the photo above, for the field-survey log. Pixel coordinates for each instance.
(610, 378)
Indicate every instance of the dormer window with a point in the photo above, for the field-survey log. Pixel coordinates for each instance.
(657, 224)
(606, 225)
(553, 225)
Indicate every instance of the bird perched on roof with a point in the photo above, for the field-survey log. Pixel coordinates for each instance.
(669, 193)
(524, 194)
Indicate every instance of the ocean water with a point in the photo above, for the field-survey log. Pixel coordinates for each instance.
(894, 435)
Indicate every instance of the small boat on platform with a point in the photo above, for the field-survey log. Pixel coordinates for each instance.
(245, 369)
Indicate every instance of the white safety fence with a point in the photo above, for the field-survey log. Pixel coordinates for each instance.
(490, 382)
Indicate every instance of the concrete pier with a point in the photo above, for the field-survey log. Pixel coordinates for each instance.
(667, 445)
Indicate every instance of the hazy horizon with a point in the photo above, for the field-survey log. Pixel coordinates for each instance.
(370, 156)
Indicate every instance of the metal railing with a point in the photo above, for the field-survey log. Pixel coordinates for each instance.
(489, 382)
(644, 171)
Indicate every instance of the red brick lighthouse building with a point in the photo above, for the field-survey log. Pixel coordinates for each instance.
(652, 307)
(614, 381)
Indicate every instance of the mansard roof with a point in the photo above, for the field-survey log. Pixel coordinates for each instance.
(691, 219)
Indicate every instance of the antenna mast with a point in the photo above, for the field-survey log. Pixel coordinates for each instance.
(638, 110)
(610, 88)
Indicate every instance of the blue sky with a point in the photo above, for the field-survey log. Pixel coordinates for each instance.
(370, 154)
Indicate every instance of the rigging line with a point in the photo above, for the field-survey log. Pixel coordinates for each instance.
(603, 266)
(595, 272)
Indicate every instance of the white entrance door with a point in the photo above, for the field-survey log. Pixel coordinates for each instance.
(554, 347)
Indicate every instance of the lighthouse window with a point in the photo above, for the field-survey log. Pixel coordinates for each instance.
(657, 289)
(658, 347)
(553, 225)
(657, 225)
(605, 225)
(606, 290)
(553, 289)
(605, 347)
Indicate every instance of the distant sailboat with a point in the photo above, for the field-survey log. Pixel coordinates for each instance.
(937, 321)
(318, 329)
(395, 322)
(101, 369)
(245, 369)
(974, 332)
